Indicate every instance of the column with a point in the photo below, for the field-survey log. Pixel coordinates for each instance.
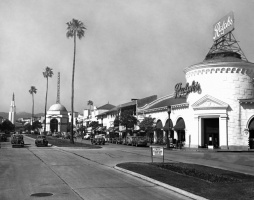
(155, 137)
(223, 132)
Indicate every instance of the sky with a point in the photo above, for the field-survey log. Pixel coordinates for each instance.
(131, 49)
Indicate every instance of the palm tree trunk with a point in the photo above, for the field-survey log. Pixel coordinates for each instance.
(33, 109)
(72, 95)
(46, 107)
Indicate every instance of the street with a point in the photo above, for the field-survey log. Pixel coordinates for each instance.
(73, 174)
(76, 173)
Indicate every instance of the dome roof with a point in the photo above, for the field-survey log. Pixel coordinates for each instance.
(57, 107)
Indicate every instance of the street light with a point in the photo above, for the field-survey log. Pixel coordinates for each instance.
(169, 112)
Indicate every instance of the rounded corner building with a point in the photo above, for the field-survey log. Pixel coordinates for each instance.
(220, 94)
(215, 109)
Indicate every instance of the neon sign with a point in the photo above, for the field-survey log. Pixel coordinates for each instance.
(184, 91)
(224, 26)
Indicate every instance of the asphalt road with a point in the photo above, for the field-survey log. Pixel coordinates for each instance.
(70, 174)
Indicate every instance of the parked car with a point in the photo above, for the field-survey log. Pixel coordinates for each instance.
(87, 136)
(98, 140)
(41, 140)
(56, 134)
(3, 137)
(129, 140)
(66, 135)
(49, 133)
(119, 140)
(17, 140)
(139, 141)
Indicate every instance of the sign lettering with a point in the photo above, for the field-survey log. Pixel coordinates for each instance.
(224, 26)
(184, 91)
(157, 151)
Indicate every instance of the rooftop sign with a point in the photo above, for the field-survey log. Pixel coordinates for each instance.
(223, 26)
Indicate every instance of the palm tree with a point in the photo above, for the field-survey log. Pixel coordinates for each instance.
(32, 91)
(90, 103)
(75, 28)
(48, 73)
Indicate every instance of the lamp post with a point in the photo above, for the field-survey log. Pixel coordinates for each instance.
(169, 128)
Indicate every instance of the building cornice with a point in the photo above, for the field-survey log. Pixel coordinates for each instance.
(220, 67)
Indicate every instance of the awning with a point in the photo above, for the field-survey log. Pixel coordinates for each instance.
(159, 125)
(98, 128)
(180, 125)
(110, 129)
(166, 127)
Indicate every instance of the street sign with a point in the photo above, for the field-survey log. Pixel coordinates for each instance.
(157, 151)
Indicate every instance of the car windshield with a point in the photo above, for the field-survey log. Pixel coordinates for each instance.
(18, 136)
(41, 136)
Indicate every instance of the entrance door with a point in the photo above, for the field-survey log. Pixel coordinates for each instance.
(53, 125)
(251, 134)
(211, 132)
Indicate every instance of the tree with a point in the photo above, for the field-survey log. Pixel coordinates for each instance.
(126, 119)
(47, 74)
(147, 125)
(36, 125)
(74, 28)
(7, 125)
(90, 103)
(32, 91)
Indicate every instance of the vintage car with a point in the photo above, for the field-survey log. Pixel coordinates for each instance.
(17, 140)
(97, 139)
(3, 137)
(129, 140)
(139, 141)
(87, 136)
(66, 135)
(41, 140)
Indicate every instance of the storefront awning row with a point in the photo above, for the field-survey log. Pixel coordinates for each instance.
(180, 125)
(166, 127)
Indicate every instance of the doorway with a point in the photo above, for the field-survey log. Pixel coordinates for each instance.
(211, 132)
(251, 134)
(54, 125)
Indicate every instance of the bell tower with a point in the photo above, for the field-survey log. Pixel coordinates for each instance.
(12, 111)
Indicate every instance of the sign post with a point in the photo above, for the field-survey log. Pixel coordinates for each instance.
(157, 151)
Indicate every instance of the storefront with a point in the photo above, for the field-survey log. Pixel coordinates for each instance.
(215, 108)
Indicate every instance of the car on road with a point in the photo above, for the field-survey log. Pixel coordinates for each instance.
(41, 140)
(139, 141)
(87, 136)
(3, 137)
(56, 134)
(129, 140)
(17, 140)
(66, 135)
(98, 139)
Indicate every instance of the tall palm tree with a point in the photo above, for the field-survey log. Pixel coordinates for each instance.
(48, 73)
(90, 103)
(32, 91)
(74, 28)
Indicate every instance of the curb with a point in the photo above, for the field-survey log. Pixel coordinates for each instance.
(169, 187)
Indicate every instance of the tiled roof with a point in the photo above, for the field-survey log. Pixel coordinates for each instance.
(106, 107)
(168, 102)
(146, 100)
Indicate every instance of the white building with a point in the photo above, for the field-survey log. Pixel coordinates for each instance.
(216, 108)
(12, 112)
(57, 118)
